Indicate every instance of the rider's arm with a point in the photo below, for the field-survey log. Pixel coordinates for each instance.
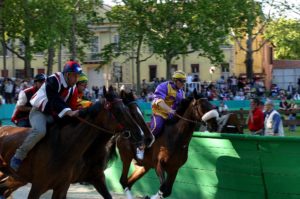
(164, 106)
(21, 103)
(56, 103)
(160, 95)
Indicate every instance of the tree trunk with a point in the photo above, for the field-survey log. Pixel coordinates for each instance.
(4, 53)
(168, 67)
(73, 41)
(51, 55)
(138, 66)
(27, 57)
(59, 57)
(249, 58)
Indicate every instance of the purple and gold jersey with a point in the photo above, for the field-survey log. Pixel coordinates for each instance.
(168, 93)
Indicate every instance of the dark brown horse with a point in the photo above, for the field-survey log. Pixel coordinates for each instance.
(54, 163)
(169, 152)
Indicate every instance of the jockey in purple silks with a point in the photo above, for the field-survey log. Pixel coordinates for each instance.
(167, 97)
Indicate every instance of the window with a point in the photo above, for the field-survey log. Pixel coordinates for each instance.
(117, 71)
(20, 73)
(94, 48)
(174, 68)
(225, 67)
(116, 41)
(195, 68)
(4, 73)
(153, 72)
(40, 70)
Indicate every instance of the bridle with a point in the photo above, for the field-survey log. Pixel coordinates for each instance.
(107, 106)
(188, 120)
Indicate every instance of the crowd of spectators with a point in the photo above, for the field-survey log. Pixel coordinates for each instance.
(10, 88)
(231, 88)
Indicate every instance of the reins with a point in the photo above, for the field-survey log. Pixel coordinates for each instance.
(188, 120)
(95, 126)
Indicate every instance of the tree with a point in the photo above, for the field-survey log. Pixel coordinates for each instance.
(173, 28)
(131, 19)
(18, 17)
(42, 26)
(185, 27)
(253, 25)
(285, 35)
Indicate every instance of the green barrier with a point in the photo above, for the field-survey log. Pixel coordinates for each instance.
(227, 166)
(6, 111)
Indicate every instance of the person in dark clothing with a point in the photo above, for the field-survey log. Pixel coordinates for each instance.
(23, 107)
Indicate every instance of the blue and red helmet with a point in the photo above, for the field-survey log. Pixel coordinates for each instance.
(72, 67)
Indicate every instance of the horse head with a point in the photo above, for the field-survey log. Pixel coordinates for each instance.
(207, 113)
(129, 100)
(114, 104)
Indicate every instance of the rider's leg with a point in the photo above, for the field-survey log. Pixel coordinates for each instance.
(38, 122)
(157, 123)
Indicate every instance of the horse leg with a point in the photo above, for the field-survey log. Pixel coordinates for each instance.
(9, 185)
(60, 192)
(35, 191)
(124, 175)
(100, 185)
(165, 189)
(137, 174)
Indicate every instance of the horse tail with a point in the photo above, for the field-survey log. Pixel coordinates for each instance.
(111, 150)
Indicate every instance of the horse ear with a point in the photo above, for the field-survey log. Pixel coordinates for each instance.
(194, 102)
(104, 91)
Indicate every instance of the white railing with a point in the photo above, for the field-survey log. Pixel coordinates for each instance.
(193, 85)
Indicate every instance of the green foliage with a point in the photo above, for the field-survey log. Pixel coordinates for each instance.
(172, 28)
(285, 35)
(41, 25)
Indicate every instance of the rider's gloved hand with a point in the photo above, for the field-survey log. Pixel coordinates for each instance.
(171, 114)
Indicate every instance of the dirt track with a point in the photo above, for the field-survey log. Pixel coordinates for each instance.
(75, 192)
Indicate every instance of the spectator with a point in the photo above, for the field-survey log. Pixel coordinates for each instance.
(273, 122)
(256, 117)
(8, 91)
(283, 104)
(96, 91)
(290, 89)
(292, 114)
(144, 87)
(296, 96)
(223, 108)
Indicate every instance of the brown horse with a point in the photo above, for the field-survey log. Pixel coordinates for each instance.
(168, 153)
(54, 163)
